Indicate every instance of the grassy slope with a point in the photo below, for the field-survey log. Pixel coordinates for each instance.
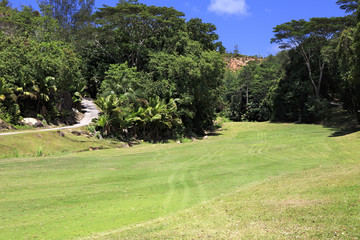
(321, 203)
(48, 143)
(257, 180)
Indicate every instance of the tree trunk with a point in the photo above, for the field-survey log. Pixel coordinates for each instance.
(247, 95)
(308, 65)
(321, 69)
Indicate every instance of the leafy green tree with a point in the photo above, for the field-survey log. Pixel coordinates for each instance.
(36, 64)
(251, 88)
(348, 52)
(5, 3)
(5, 89)
(155, 119)
(174, 59)
(308, 38)
(348, 5)
(203, 33)
(70, 14)
(28, 23)
(110, 119)
(120, 79)
(130, 31)
(292, 99)
(292, 91)
(356, 47)
(195, 78)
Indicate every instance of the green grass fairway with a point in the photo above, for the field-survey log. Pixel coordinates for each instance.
(254, 180)
(49, 143)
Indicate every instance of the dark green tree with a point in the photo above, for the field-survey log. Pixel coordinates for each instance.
(292, 96)
(204, 33)
(36, 65)
(309, 38)
(348, 52)
(72, 15)
(131, 31)
(5, 3)
(195, 78)
(250, 93)
(348, 5)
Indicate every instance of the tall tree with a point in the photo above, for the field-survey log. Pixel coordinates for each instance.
(348, 52)
(5, 3)
(195, 78)
(71, 14)
(131, 31)
(348, 5)
(204, 33)
(250, 89)
(309, 38)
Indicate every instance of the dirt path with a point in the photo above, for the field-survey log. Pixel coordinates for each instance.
(91, 112)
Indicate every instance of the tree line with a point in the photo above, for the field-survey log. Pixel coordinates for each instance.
(156, 75)
(319, 66)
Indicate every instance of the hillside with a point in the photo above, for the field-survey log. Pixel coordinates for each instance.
(237, 62)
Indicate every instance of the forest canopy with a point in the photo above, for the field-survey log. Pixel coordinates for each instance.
(156, 75)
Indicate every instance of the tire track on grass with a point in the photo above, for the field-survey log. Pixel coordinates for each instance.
(200, 186)
(172, 181)
(184, 176)
(185, 196)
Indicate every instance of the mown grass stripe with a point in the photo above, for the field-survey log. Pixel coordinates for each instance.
(82, 194)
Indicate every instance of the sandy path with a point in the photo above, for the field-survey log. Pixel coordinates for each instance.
(91, 112)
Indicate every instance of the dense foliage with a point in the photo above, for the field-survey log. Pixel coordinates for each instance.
(37, 69)
(318, 69)
(322, 66)
(164, 74)
(249, 91)
(156, 75)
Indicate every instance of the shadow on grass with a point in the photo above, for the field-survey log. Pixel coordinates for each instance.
(342, 123)
(214, 134)
(344, 132)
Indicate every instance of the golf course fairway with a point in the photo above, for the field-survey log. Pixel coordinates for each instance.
(250, 181)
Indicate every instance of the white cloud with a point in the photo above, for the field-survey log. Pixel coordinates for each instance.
(222, 7)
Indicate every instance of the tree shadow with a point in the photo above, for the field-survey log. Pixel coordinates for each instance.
(341, 122)
(214, 134)
(343, 126)
(344, 131)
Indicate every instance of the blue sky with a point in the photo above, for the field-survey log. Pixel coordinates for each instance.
(246, 23)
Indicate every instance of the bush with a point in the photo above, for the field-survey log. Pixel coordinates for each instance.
(315, 110)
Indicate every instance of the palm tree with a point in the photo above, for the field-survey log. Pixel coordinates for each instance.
(39, 91)
(110, 113)
(46, 89)
(5, 89)
(10, 110)
(155, 118)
